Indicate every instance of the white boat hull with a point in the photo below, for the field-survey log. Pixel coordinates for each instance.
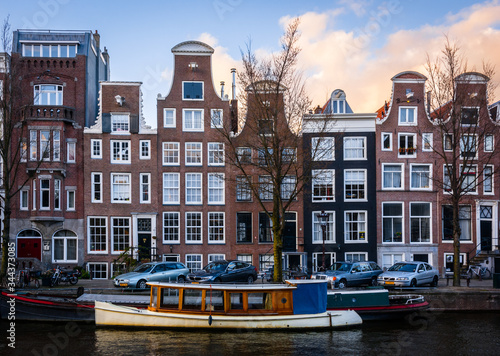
(115, 315)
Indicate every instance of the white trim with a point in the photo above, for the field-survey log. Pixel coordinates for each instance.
(148, 156)
(346, 241)
(98, 263)
(165, 125)
(402, 165)
(141, 200)
(171, 242)
(173, 150)
(201, 129)
(193, 242)
(129, 201)
(382, 141)
(177, 202)
(105, 252)
(198, 174)
(223, 189)
(402, 203)
(92, 141)
(364, 158)
(429, 165)
(216, 242)
(355, 253)
(415, 115)
(330, 221)
(193, 151)
(418, 217)
(365, 184)
(119, 160)
(112, 236)
(92, 190)
(431, 141)
(202, 90)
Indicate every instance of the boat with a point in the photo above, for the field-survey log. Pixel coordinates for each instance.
(375, 303)
(298, 304)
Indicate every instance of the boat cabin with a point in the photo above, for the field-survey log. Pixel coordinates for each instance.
(295, 297)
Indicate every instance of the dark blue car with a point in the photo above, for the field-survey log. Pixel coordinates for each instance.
(225, 271)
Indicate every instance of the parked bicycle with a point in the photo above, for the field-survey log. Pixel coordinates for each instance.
(26, 277)
(61, 276)
(479, 272)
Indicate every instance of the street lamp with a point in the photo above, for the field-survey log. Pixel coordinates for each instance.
(323, 220)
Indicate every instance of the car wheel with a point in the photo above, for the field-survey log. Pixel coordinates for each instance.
(374, 282)
(181, 279)
(250, 279)
(434, 282)
(342, 283)
(142, 284)
(413, 283)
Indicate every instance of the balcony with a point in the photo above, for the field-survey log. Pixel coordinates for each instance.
(49, 112)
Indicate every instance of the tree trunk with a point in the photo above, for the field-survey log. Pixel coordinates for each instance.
(456, 243)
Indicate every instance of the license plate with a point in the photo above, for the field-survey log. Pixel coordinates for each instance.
(389, 282)
(123, 284)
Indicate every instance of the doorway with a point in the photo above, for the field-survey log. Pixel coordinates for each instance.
(144, 238)
(486, 226)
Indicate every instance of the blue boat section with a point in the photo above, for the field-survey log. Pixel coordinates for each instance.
(358, 298)
(309, 298)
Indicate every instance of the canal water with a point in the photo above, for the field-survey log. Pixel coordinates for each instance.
(429, 334)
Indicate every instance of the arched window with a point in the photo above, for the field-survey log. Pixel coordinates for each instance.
(48, 94)
(64, 246)
(29, 233)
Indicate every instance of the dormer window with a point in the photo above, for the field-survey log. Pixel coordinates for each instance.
(192, 90)
(50, 50)
(120, 123)
(48, 94)
(338, 106)
(407, 115)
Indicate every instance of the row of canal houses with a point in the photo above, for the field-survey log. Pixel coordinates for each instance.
(100, 182)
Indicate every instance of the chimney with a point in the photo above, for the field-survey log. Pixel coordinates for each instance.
(233, 72)
(222, 89)
(318, 110)
(97, 39)
(428, 102)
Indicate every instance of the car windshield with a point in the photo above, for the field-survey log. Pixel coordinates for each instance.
(144, 268)
(403, 267)
(343, 267)
(215, 267)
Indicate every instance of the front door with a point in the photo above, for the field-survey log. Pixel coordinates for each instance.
(29, 248)
(486, 227)
(290, 233)
(144, 238)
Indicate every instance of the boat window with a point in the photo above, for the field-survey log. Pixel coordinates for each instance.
(191, 299)
(260, 301)
(154, 294)
(214, 300)
(236, 300)
(169, 298)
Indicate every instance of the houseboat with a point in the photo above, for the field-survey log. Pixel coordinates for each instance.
(298, 304)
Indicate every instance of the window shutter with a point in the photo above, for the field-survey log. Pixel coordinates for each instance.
(106, 122)
(134, 123)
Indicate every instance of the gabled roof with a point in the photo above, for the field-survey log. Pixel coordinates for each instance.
(337, 94)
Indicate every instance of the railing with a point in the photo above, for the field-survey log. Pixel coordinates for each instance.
(49, 112)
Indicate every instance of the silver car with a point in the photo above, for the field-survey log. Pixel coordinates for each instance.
(154, 271)
(344, 274)
(409, 274)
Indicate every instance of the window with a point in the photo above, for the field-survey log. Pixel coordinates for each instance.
(145, 186)
(194, 262)
(391, 258)
(469, 179)
(120, 123)
(120, 152)
(243, 227)
(215, 188)
(407, 144)
(170, 153)
(244, 154)
(464, 221)
(420, 176)
(448, 142)
(193, 154)
(317, 260)
(420, 222)
(48, 94)
(265, 228)
(96, 148)
(446, 179)
(265, 188)
(266, 261)
(288, 185)
(193, 228)
(392, 222)
(145, 149)
(386, 141)
(98, 270)
(98, 234)
(57, 194)
(50, 50)
(45, 144)
(469, 116)
(427, 142)
(120, 235)
(265, 127)
(171, 188)
(323, 185)
(192, 120)
(24, 199)
(392, 176)
(56, 145)
(244, 257)
(488, 180)
(33, 145)
(23, 149)
(488, 143)
(70, 200)
(265, 156)
(120, 187)
(468, 146)
(216, 257)
(356, 256)
(170, 227)
(192, 90)
(169, 118)
(355, 184)
(289, 155)
(323, 148)
(355, 226)
(96, 188)
(71, 150)
(216, 227)
(354, 148)
(243, 189)
(44, 194)
(64, 246)
(407, 115)
(193, 188)
(216, 118)
(215, 154)
(318, 234)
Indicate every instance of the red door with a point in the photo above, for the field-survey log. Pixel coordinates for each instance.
(29, 248)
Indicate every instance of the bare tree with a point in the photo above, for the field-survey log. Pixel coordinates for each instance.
(458, 108)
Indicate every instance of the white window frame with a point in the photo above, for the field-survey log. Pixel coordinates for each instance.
(173, 227)
(216, 154)
(65, 247)
(317, 235)
(220, 188)
(462, 146)
(174, 118)
(405, 122)
(243, 189)
(45, 145)
(447, 142)
(91, 270)
(402, 173)
(119, 120)
(71, 151)
(210, 228)
(33, 145)
(96, 145)
(213, 123)
(44, 191)
(320, 176)
(473, 167)
(202, 90)
(404, 155)
(25, 193)
(119, 158)
(358, 222)
(491, 178)
(489, 145)
(188, 235)
(320, 151)
(365, 183)
(192, 259)
(348, 256)
(56, 145)
(412, 165)
(382, 136)
(427, 140)
(190, 188)
(94, 189)
(175, 189)
(113, 188)
(328, 255)
(393, 259)
(145, 188)
(216, 257)
(354, 149)
(112, 227)
(105, 237)
(41, 94)
(185, 128)
(57, 194)
(70, 202)
(193, 150)
(147, 154)
(171, 150)
(392, 217)
(420, 217)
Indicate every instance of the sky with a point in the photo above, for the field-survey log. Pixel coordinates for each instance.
(354, 45)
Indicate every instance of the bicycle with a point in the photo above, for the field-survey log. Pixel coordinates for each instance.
(479, 272)
(24, 279)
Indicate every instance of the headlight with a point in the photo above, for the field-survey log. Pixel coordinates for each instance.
(402, 278)
(125, 280)
(313, 277)
(380, 278)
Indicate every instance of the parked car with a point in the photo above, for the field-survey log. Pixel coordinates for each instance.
(225, 271)
(409, 274)
(344, 274)
(153, 271)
